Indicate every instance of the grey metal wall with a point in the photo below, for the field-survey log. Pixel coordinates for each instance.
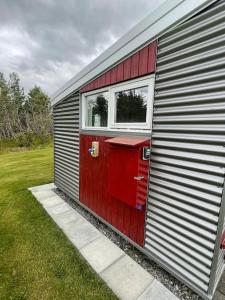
(66, 146)
(188, 149)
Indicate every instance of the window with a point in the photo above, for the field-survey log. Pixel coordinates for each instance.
(131, 105)
(96, 110)
(126, 106)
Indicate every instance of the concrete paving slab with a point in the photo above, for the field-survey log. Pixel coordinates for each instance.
(157, 291)
(69, 228)
(58, 208)
(82, 234)
(37, 188)
(43, 195)
(126, 278)
(66, 217)
(101, 253)
(52, 201)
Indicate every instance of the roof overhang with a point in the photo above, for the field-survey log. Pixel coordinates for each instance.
(168, 15)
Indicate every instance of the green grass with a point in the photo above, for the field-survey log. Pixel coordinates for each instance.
(36, 259)
(23, 143)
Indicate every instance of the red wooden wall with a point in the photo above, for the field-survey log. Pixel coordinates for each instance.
(94, 192)
(139, 64)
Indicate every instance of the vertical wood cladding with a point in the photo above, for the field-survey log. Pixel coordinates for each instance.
(94, 191)
(139, 64)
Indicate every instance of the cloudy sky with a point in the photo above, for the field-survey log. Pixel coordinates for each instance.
(48, 41)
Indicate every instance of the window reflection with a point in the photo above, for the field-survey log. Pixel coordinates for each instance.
(131, 105)
(96, 110)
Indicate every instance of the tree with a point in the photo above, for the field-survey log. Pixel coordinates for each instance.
(17, 97)
(130, 107)
(37, 101)
(6, 122)
(22, 115)
(101, 109)
(37, 107)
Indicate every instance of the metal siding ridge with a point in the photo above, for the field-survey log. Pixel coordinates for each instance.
(195, 128)
(190, 41)
(204, 138)
(185, 199)
(183, 28)
(205, 177)
(209, 169)
(181, 231)
(216, 41)
(207, 76)
(162, 202)
(185, 252)
(215, 149)
(175, 263)
(186, 208)
(203, 254)
(216, 62)
(186, 224)
(197, 88)
(210, 188)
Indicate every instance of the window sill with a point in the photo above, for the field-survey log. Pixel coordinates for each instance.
(115, 132)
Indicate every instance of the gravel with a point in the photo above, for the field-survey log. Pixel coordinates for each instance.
(172, 284)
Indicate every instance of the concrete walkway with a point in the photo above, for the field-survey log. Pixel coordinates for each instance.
(127, 279)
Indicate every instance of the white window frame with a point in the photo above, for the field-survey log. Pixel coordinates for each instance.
(111, 90)
(134, 84)
(99, 91)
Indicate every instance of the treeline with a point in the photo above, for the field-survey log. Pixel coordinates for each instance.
(24, 118)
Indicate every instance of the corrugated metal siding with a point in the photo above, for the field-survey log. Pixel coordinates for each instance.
(188, 147)
(66, 145)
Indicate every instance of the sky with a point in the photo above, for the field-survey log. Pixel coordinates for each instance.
(48, 41)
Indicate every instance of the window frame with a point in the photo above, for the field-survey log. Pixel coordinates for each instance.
(148, 81)
(134, 84)
(84, 95)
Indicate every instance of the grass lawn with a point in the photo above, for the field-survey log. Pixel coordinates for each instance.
(36, 259)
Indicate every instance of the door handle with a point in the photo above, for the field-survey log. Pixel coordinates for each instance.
(138, 178)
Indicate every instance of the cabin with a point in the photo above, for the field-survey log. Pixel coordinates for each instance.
(139, 139)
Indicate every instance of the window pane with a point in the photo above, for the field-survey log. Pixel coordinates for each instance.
(131, 105)
(96, 110)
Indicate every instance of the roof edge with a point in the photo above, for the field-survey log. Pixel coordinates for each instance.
(169, 14)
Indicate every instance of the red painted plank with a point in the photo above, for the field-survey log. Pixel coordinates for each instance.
(100, 81)
(113, 75)
(94, 85)
(134, 65)
(97, 83)
(120, 72)
(143, 62)
(133, 224)
(126, 221)
(126, 68)
(107, 78)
